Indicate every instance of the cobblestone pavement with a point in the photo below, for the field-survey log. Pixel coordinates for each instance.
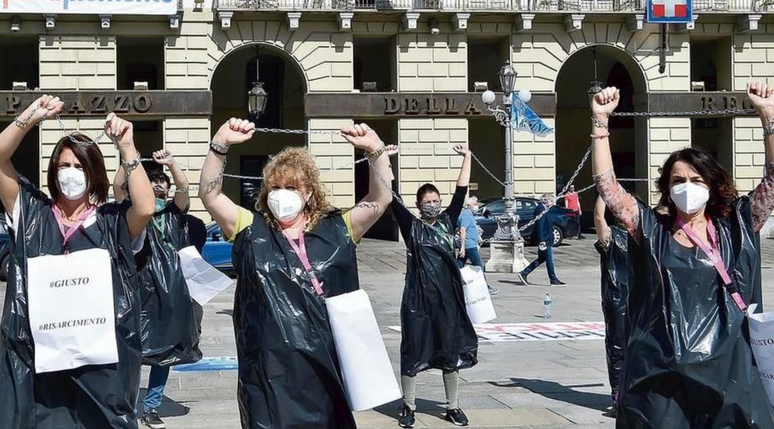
(522, 384)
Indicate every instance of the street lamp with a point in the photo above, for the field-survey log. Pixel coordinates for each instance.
(257, 96)
(507, 245)
(595, 85)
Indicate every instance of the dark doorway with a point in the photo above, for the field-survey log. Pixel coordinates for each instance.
(251, 165)
(385, 228)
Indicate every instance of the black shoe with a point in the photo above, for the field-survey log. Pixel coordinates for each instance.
(581, 237)
(457, 417)
(493, 291)
(152, 420)
(523, 278)
(406, 418)
(557, 282)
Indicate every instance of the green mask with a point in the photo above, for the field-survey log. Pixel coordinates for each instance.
(161, 204)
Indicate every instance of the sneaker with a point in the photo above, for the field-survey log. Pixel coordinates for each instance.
(406, 418)
(152, 420)
(557, 282)
(523, 278)
(457, 417)
(493, 291)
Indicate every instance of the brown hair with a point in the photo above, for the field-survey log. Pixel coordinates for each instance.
(293, 166)
(721, 188)
(92, 161)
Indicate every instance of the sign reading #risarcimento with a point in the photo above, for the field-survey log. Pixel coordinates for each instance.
(85, 7)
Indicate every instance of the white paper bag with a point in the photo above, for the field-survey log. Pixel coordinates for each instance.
(477, 299)
(71, 310)
(204, 281)
(368, 376)
(762, 343)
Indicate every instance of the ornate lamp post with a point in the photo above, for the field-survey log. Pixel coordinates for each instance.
(257, 96)
(507, 245)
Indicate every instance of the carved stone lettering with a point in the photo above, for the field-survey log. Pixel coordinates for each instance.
(472, 109)
(77, 107)
(412, 106)
(12, 103)
(451, 106)
(432, 106)
(142, 104)
(98, 104)
(391, 106)
(122, 104)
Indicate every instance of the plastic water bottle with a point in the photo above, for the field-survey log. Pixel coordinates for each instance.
(547, 306)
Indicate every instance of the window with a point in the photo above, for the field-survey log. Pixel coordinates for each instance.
(140, 59)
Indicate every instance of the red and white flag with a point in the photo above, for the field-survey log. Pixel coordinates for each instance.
(669, 8)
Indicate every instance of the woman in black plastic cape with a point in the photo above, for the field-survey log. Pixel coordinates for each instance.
(93, 396)
(688, 361)
(615, 272)
(436, 332)
(289, 255)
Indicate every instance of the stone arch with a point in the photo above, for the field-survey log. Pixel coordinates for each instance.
(322, 55)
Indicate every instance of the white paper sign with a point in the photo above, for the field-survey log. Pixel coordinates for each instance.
(86, 7)
(762, 343)
(477, 299)
(204, 281)
(71, 310)
(365, 366)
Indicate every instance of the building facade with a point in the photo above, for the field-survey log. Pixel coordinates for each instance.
(412, 69)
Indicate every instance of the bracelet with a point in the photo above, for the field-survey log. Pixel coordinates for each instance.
(599, 124)
(218, 152)
(20, 123)
(768, 129)
(595, 137)
(378, 152)
(218, 148)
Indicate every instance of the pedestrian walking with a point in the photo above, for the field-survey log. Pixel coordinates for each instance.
(543, 234)
(470, 239)
(688, 360)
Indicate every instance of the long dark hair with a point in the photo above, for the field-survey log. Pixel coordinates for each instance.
(722, 189)
(93, 164)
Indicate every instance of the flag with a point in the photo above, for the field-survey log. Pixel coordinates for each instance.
(523, 118)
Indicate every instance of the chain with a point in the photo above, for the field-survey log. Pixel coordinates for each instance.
(475, 158)
(284, 131)
(723, 112)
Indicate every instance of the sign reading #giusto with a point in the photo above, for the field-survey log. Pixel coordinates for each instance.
(100, 103)
(85, 7)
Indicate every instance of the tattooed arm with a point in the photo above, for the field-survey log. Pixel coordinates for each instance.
(762, 198)
(621, 203)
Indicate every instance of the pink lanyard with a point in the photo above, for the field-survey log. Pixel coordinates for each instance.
(300, 250)
(74, 227)
(713, 251)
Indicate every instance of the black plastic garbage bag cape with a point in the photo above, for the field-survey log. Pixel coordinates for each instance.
(688, 363)
(170, 335)
(436, 331)
(615, 268)
(90, 397)
(289, 375)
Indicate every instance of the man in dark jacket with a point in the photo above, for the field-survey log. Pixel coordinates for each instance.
(543, 233)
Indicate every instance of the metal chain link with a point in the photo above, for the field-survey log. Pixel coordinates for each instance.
(723, 112)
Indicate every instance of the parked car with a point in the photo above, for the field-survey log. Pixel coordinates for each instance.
(217, 250)
(5, 248)
(565, 220)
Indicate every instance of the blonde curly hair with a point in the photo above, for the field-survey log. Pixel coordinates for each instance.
(294, 166)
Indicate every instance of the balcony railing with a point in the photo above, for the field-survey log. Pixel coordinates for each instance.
(584, 6)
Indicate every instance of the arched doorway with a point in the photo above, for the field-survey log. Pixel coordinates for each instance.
(286, 87)
(628, 135)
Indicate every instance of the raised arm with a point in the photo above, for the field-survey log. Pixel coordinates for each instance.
(621, 203)
(762, 98)
(182, 199)
(45, 107)
(600, 224)
(365, 214)
(220, 207)
(140, 191)
(119, 190)
(458, 198)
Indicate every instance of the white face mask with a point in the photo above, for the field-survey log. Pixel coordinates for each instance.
(285, 205)
(72, 182)
(689, 198)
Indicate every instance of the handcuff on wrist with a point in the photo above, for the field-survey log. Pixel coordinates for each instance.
(378, 152)
(599, 124)
(219, 148)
